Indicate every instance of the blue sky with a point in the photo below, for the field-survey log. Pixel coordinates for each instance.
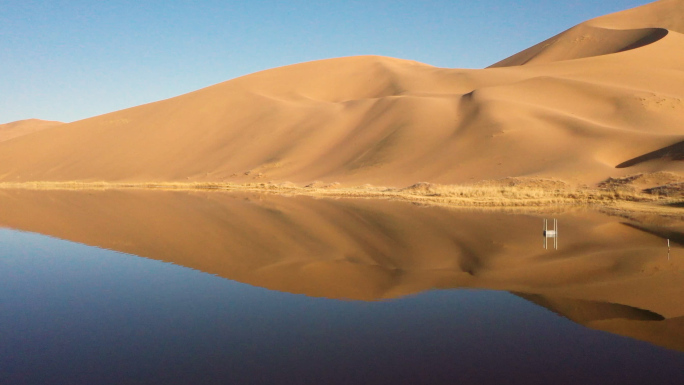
(69, 60)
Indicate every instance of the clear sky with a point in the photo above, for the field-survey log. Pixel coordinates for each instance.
(71, 59)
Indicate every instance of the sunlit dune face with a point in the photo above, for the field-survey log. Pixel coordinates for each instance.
(573, 108)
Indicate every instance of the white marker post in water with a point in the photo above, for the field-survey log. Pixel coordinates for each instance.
(551, 233)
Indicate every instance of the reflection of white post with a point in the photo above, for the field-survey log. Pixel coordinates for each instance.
(555, 234)
(545, 228)
(551, 233)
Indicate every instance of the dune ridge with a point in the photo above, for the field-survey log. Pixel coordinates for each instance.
(24, 127)
(605, 92)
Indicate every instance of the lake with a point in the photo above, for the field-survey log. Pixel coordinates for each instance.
(146, 287)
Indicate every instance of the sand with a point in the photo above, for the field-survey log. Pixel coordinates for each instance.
(24, 127)
(606, 93)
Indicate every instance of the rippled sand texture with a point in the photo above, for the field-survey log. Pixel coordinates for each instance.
(608, 273)
(605, 93)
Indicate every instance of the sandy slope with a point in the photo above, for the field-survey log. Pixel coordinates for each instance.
(604, 274)
(24, 127)
(618, 32)
(601, 94)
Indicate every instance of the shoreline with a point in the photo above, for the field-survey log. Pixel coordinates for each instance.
(454, 196)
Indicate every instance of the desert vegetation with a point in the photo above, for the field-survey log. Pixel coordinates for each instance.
(626, 193)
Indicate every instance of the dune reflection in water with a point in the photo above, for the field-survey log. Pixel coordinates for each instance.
(607, 276)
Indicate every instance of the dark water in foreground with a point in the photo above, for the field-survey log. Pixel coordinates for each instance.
(74, 314)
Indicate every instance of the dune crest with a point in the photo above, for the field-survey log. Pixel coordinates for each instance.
(567, 113)
(584, 41)
(24, 127)
(617, 32)
(662, 14)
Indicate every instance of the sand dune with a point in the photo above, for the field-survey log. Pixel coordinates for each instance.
(662, 14)
(587, 100)
(584, 41)
(604, 270)
(24, 127)
(618, 32)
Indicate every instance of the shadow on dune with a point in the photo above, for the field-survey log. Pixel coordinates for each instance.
(584, 41)
(673, 152)
(653, 36)
(674, 236)
(583, 311)
(614, 318)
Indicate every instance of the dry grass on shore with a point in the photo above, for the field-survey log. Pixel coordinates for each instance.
(501, 193)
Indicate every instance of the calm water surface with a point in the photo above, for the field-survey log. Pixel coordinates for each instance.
(77, 314)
